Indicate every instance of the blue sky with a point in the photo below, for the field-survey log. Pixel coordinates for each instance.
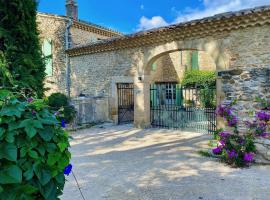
(130, 16)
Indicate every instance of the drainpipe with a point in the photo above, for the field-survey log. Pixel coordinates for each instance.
(68, 44)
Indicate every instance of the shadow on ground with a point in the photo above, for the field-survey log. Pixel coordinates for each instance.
(124, 163)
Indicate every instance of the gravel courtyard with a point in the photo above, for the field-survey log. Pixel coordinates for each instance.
(125, 163)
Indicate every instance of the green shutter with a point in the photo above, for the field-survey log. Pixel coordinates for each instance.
(154, 66)
(195, 60)
(179, 95)
(188, 60)
(47, 52)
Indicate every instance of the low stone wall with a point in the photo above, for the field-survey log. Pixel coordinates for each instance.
(91, 110)
(245, 85)
(263, 151)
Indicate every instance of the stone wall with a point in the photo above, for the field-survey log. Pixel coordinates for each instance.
(263, 151)
(171, 67)
(91, 110)
(82, 37)
(245, 85)
(53, 27)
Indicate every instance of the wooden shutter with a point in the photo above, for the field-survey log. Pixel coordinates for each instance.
(179, 95)
(154, 66)
(47, 53)
(195, 60)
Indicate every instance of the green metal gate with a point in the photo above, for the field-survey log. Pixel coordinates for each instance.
(187, 109)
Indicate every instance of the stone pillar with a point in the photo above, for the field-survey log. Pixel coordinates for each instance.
(142, 103)
(220, 98)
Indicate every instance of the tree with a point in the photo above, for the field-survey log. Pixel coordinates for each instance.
(21, 64)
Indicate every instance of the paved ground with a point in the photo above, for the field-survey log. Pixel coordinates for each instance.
(124, 163)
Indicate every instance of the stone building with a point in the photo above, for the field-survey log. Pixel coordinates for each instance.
(92, 61)
(59, 33)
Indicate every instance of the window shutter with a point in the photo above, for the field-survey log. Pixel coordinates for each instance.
(154, 66)
(179, 95)
(195, 60)
(47, 52)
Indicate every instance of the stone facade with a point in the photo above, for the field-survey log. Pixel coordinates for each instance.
(54, 27)
(263, 151)
(171, 67)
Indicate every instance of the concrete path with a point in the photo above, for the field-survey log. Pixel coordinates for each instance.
(124, 163)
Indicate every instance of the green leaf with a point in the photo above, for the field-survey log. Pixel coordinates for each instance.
(4, 94)
(1, 189)
(43, 175)
(46, 134)
(30, 126)
(53, 158)
(33, 154)
(10, 136)
(2, 131)
(10, 175)
(8, 151)
(23, 152)
(30, 131)
(12, 110)
(49, 191)
(62, 146)
(28, 174)
(27, 189)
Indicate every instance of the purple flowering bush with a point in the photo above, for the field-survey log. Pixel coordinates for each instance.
(34, 155)
(234, 149)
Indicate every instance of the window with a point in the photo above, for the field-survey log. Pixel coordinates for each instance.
(47, 53)
(166, 94)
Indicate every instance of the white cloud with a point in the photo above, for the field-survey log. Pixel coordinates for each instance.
(210, 8)
(215, 7)
(154, 22)
(142, 7)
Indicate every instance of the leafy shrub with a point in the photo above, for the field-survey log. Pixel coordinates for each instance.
(234, 149)
(21, 62)
(60, 103)
(33, 150)
(194, 78)
(207, 97)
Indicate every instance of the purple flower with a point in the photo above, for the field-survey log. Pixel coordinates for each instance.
(221, 143)
(264, 134)
(68, 169)
(217, 150)
(232, 122)
(224, 134)
(263, 116)
(232, 154)
(63, 123)
(34, 112)
(29, 100)
(57, 113)
(248, 157)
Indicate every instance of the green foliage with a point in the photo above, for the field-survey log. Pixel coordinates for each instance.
(59, 102)
(194, 78)
(204, 153)
(207, 97)
(21, 63)
(33, 150)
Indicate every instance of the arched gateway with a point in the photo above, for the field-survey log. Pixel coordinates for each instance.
(238, 43)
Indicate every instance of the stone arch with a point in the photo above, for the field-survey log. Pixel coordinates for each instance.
(214, 48)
